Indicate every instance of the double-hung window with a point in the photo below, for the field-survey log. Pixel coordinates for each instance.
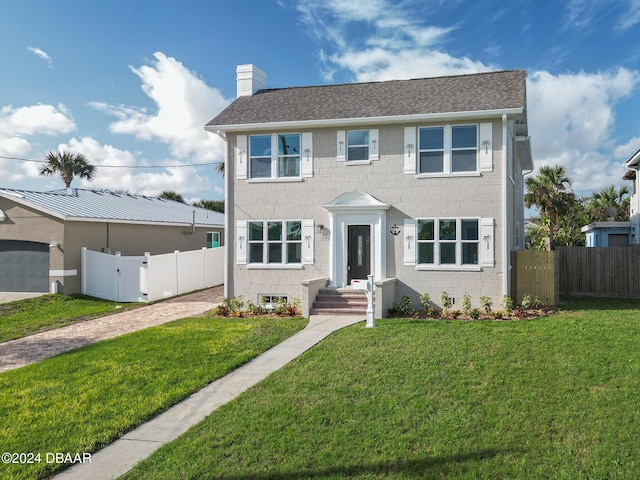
(448, 149)
(274, 156)
(448, 241)
(275, 242)
(357, 145)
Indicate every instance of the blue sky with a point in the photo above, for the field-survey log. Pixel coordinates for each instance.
(131, 84)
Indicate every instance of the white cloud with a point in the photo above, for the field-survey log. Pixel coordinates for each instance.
(42, 54)
(35, 120)
(571, 121)
(184, 105)
(626, 151)
(631, 16)
(146, 182)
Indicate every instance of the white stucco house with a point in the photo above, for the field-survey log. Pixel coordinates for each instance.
(417, 182)
(631, 173)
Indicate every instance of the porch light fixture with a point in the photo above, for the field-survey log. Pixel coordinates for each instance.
(395, 230)
(320, 228)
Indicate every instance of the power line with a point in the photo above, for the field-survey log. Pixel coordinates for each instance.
(120, 166)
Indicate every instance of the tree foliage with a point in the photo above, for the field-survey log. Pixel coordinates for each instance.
(68, 165)
(215, 205)
(172, 195)
(563, 214)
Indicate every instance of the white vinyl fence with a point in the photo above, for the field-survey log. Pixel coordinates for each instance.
(150, 277)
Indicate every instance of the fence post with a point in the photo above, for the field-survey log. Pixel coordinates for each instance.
(117, 275)
(83, 268)
(371, 321)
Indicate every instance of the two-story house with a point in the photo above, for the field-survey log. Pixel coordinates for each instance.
(417, 182)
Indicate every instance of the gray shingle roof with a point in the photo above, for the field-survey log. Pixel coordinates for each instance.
(462, 93)
(102, 205)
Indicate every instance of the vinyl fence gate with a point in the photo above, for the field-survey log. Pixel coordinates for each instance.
(150, 277)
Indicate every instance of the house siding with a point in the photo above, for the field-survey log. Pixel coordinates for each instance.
(410, 197)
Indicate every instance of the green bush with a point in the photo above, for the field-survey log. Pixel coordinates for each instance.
(425, 301)
(526, 303)
(404, 307)
(507, 305)
(475, 313)
(445, 301)
(487, 304)
(466, 303)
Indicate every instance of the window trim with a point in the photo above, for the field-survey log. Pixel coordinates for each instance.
(275, 159)
(447, 161)
(436, 242)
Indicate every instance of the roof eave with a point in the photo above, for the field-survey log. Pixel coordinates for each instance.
(142, 222)
(345, 122)
(23, 201)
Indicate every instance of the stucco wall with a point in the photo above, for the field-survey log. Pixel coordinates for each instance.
(409, 197)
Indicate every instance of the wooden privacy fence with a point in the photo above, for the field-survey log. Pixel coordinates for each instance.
(599, 271)
(534, 273)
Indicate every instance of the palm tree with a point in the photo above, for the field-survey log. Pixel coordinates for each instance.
(172, 195)
(220, 168)
(68, 165)
(550, 191)
(610, 203)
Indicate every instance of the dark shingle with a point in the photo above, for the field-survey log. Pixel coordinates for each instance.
(462, 93)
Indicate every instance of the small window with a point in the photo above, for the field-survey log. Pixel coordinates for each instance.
(426, 242)
(357, 145)
(269, 301)
(448, 149)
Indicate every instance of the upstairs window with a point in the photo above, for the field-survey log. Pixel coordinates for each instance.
(285, 163)
(448, 149)
(357, 145)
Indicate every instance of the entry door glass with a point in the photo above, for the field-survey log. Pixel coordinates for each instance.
(359, 252)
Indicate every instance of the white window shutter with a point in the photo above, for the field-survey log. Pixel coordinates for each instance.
(374, 145)
(487, 242)
(410, 149)
(485, 155)
(306, 154)
(341, 142)
(307, 241)
(242, 158)
(241, 242)
(409, 237)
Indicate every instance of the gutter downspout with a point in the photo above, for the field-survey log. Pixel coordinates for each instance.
(223, 136)
(506, 268)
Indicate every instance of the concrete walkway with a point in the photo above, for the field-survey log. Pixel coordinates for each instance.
(122, 455)
(23, 351)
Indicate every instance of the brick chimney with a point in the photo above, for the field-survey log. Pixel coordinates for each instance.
(249, 79)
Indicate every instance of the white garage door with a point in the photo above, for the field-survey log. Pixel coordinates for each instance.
(24, 266)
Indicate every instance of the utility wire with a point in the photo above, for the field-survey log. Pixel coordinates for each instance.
(120, 166)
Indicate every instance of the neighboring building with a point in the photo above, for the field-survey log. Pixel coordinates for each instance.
(607, 234)
(417, 182)
(631, 173)
(42, 233)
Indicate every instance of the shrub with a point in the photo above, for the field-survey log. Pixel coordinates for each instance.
(475, 313)
(486, 303)
(425, 301)
(466, 303)
(230, 307)
(537, 303)
(507, 305)
(526, 303)
(404, 307)
(255, 310)
(445, 301)
(454, 313)
(497, 315)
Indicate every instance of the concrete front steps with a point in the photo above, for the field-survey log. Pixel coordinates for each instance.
(339, 301)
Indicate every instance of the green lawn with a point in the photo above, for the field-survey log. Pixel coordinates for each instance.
(82, 400)
(556, 397)
(33, 315)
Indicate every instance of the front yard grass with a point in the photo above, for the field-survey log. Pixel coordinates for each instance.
(34, 315)
(82, 400)
(555, 397)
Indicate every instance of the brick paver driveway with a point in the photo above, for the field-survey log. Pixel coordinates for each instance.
(26, 350)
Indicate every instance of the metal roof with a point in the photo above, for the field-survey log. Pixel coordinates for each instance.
(492, 91)
(79, 204)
